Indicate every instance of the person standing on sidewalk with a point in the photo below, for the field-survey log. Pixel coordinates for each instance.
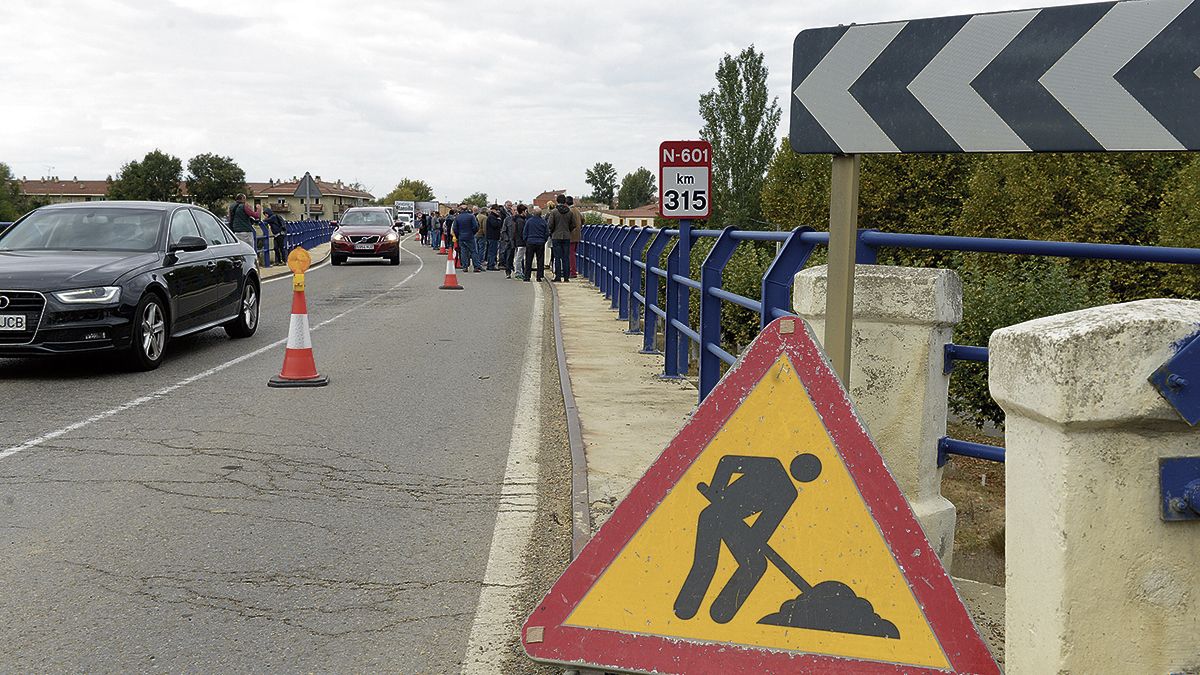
(494, 221)
(562, 223)
(465, 226)
(536, 233)
(576, 235)
(518, 259)
(480, 235)
(241, 221)
(278, 232)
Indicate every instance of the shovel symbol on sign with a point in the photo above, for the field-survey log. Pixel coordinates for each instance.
(748, 498)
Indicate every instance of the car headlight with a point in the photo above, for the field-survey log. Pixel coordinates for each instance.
(100, 295)
(392, 236)
(337, 236)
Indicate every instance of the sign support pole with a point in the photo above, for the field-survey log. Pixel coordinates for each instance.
(843, 230)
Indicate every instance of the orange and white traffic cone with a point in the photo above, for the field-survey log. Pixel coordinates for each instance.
(442, 250)
(299, 368)
(450, 283)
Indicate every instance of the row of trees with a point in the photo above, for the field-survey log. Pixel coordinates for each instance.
(637, 188)
(211, 181)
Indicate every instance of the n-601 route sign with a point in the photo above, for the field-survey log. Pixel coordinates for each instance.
(685, 179)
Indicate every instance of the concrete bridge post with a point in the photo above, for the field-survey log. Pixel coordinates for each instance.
(1097, 582)
(902, 318)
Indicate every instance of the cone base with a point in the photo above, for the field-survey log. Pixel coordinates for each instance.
(450, 288)
(281, 382)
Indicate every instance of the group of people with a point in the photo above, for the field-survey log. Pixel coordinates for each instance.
(510, 238)
(241, 219)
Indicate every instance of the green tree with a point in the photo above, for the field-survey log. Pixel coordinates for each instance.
(1178, 224)
(593, 218)
(213, 181)
(12, 203)
(603, 179)
(637, 189)
(479, 199)
(740, 121)
(408, 190)
(155, 178)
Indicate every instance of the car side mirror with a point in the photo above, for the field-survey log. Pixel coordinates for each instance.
(190, 244)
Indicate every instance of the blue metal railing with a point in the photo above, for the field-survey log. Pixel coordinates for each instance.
(623, 263)
(303, 233)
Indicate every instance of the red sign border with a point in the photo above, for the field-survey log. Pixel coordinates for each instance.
(927, 579)
(661, 165)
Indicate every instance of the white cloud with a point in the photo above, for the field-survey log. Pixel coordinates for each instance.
(508, 98)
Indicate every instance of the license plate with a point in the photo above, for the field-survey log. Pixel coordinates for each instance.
(364, 247)
(12, 322)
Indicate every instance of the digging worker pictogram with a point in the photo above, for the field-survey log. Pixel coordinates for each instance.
(762, 487)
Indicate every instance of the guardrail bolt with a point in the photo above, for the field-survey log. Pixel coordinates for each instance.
(1176, 382)
(1191, 498)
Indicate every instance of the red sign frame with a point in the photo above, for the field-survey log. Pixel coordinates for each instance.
(554, 642)
(672, 154)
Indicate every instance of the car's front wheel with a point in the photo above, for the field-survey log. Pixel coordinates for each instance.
(336, 260)
(149, 334)
(395, 260)
(247, 319)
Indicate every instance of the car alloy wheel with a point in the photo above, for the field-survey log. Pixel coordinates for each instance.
(250, 307)
(154, 331)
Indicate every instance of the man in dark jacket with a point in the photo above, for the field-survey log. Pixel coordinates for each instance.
(465, 227)
(517, 261)
(278, 232)
(494, 221)
(241, 222)
(561, 223)
(535, 233)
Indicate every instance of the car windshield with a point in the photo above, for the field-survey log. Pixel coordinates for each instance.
(85, 229)
(366, 218)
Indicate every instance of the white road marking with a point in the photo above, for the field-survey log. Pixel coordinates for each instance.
(166, 391)
(515, 515)
(314, 268)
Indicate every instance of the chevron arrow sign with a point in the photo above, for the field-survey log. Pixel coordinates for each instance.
(1081, 78)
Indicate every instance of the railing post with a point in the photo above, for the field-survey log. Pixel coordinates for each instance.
(684, 267)
(624, 248)
(711, 276)
(585, 251)
(601, 256)
(637, 251)
(780, 277)
(864, 253)
(670, 332)
(650, 319)
(610, 261)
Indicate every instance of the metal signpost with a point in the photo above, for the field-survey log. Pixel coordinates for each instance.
(1081, 78)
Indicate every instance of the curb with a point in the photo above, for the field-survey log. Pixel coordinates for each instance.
(581, 518)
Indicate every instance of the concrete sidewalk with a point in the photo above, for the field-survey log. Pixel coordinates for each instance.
(627, 412)
(629, 415)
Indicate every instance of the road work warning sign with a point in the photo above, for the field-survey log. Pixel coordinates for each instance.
(768, 537)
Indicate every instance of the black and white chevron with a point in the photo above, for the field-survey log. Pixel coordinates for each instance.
(1096, 77)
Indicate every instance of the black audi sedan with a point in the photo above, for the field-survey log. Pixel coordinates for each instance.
(122, 277)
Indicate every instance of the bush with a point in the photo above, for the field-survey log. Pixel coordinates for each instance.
(995, 296)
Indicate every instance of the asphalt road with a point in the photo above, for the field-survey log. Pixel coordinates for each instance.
(204, 522)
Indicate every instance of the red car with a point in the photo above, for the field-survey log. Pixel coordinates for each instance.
(366, 232)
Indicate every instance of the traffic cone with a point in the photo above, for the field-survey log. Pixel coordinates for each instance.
(442, 250)
(450, 283)
(299, 368)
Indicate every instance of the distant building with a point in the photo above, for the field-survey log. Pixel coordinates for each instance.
(642, 216)
(548, 196)
(308, 197)
(296, 199)
(55, 191)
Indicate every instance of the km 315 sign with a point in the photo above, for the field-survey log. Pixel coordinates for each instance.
(685, 179)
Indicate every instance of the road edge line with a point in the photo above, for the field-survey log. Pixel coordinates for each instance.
(516, 514)
(581, 509)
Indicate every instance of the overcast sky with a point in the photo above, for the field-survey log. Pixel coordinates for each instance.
(509, 98)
